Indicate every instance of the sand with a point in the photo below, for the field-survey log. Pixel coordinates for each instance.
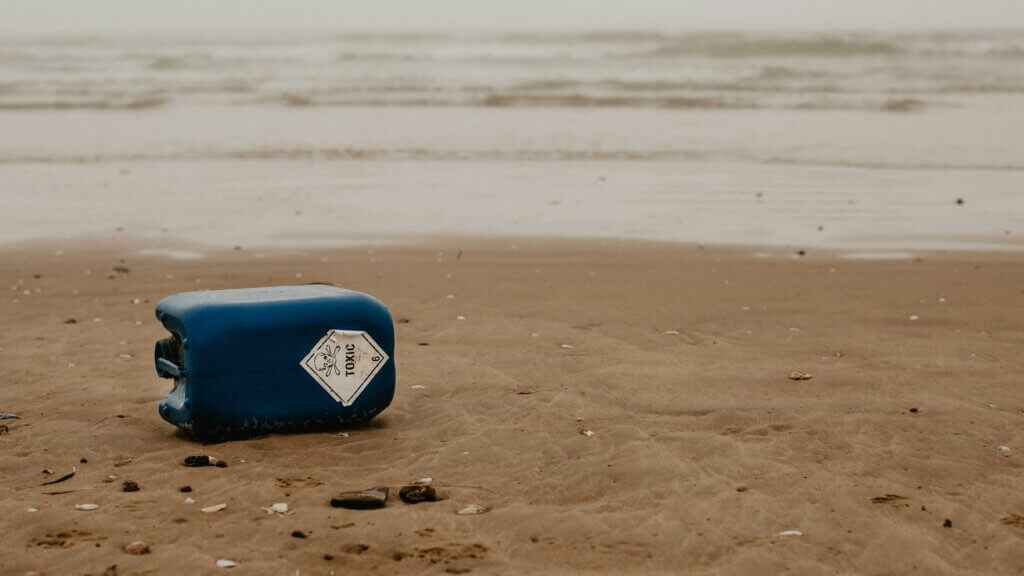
(703, 451)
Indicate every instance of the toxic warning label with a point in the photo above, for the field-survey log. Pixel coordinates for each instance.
(344, 362)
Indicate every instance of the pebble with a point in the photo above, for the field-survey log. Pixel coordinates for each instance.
(129, 486)
(587, 432)
(374, 497)
(460, 317)
(226, 563)
(671, 332)
(800, 376)
(791, 533)
(137, 547)
(86, 507)
(199, 461)
(190, 500)
(214, 508)
(1005, 450)
(418, 387)
(298, 534)
(567, 346)
(277, 508)
(33, 510)
(472, 509)
(417, 493)
(185, 489)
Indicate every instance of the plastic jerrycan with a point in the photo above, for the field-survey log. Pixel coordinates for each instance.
(288, 358)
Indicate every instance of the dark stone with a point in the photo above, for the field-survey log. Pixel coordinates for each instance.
(298, 534)
(328, 557)
(374, 497)
(185, 489)
(914, 410)
(221, 464)
(197, 461)
(417, 493)
(948, 523)
(71, 321)
(129, 486)
(84, 461)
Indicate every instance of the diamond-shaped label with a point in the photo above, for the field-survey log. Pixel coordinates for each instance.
(344, 362)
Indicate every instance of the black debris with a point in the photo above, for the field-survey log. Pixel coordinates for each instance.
(129, 486)
(185, 489)
(948, 523)
(417, 493)
(298, 534)
(8, 416)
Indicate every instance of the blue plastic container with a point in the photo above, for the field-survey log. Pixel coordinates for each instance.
(290, 358)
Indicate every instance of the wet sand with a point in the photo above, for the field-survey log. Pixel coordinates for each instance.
(703, 450)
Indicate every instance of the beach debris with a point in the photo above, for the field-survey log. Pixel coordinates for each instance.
(587, 432)
(201, 460)
(947, 523)
(298, 534)
(83, 460)
(124, 356)
(450, 297)
(58, 480)
(1004, 449)
(130, 486)
(913, 410)
(567, 346)
(959, 201)
(185, 489)
(224, 563)
(214, 508)
(124, 461)
(800, 376)
(671, 332)
(472, 509)
(342, 434)
(460, 317)
(110, 478)
(418, 387)
(86, 507)
(913, 317)
(9, 416)
(137, 548)
(888, 499)
(279, 508)
(190, 500)
(791, 533)
(801, 252)
(424, 480)
(417, 493)
(1013, 520)
(367, 499)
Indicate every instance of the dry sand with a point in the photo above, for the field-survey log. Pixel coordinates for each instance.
(703, 450)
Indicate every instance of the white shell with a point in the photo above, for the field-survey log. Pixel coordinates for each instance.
(791, 533)
(473, 509)
(215, 508)
(226, 563)
(86, 507)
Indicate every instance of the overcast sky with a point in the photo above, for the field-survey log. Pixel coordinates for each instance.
(90, 16)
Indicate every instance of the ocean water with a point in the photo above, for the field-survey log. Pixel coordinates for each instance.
(801, 71)
(868, 142)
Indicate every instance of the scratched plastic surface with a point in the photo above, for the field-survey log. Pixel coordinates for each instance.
(236, 359)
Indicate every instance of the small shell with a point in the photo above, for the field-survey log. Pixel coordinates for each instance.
(791, 533)
(226, 563)
(215, 508)
(190, 500)
(567, 346)
(86, 507)
(587, 432)
(473, 509)
(800, 376)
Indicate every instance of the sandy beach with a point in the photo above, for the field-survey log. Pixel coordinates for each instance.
(666, 301)
(677, 358)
